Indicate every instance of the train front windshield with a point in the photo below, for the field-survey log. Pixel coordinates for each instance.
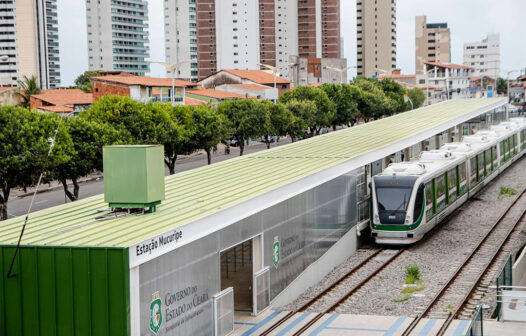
(393, 194)
(393, 199)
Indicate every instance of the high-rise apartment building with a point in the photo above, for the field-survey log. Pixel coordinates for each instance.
(118, 35)
(29, 42)
(180, 30)
(376, 36)
(432, 43)
(241, 34)
(484, 56)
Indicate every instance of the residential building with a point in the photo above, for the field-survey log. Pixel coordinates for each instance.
(180, 30)
(241, 34)
(9, 95)
(30, 42)
(212, 96)
(432, 43)
(118, 35)
(376, 37)
(254, 90)
(61, 100)
(245, 77)
(484, 56)
(140, 88)
(312, 70)
(452, 78)
(482, 86)
(518, 90)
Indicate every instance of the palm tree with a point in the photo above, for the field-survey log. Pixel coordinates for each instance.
(28, 87)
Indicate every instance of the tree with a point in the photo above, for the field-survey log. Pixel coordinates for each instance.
(84, 82)
(182, 143)
(373, 103)
(150, 123)
(395, 92)
(277, 120)
(302, 112)
(88, 138)
(24, 147)
(502, 86)
(417, 96)
(244, 119)
(28, 86)
(344, 100)
(324, 113)
(210, 129)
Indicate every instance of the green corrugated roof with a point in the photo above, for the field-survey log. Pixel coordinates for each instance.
(193, 194)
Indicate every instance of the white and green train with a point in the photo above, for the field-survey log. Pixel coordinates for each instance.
(410, 198)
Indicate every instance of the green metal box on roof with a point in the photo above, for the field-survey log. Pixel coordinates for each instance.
(133, 176)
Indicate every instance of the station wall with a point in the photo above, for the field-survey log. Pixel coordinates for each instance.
(183, 281)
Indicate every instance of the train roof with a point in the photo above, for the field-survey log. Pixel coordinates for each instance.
(211, 197)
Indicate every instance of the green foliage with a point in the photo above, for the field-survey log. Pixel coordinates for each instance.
(372, 101)
(24, 147)
(502, 86)
(344, 97)
(302, 112)
(394, 92)
(28, 86)
(324, 114)
(409, 290)
(85, 157)
(144, 123)
(412, 274)
(506, 192)
(83, 81)
(417, 96)
(402, 299)
(210, 129)
(277, 120)
(244, 119)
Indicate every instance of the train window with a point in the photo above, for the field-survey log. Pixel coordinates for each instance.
(487, 160)
(452, 179)
(440, 183)
(480, 166)
(514, 144)
(418, 202)
(473, 170)
(429, 193)
(462, 172)
(495, 157)
(393, 199)
(503, 151)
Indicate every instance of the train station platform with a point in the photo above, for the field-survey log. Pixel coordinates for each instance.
(360, 325)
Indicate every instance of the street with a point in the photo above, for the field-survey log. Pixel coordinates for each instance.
(17, 206)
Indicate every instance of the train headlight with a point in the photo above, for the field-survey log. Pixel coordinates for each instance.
(407, 221)
(376, 218)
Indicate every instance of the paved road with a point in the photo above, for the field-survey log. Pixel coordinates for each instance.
(18, 206)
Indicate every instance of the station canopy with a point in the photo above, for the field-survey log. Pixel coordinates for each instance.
(208, 190)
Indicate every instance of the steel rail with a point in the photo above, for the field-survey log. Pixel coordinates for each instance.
(452, 279)
(316, 318)
(322, 293)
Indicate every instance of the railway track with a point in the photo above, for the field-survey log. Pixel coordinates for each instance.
(459, 296)
(331, 297)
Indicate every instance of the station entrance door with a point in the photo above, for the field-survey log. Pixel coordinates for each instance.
(241, 266)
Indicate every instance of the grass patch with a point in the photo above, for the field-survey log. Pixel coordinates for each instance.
(506, 192)
(410, 290)
(412, 274)
(402, 299)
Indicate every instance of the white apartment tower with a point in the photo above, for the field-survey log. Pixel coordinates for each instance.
(484, 56)
(376, 37)
(118, 35)
(180, 30)
(241, 34)
(29, 42)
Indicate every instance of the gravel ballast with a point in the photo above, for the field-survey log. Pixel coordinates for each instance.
(438, 255)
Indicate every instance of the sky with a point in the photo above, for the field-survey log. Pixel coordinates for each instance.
(468, 20)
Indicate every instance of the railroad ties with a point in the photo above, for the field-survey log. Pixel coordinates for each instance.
(461, 294)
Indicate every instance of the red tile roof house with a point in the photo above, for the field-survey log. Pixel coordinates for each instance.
(140, 88)
(61, 100)
(245, 77)
(213, 96)
(254, 90)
